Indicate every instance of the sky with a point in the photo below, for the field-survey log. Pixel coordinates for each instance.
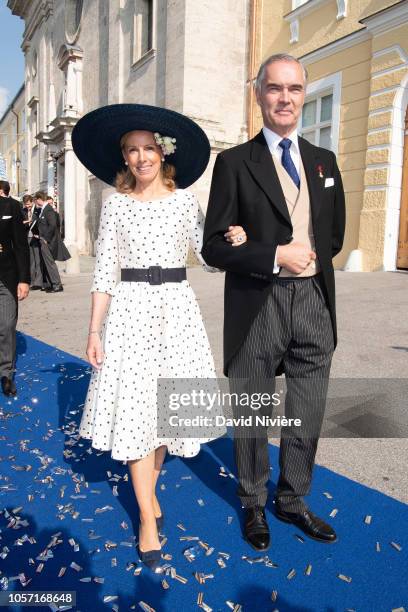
(11, 55)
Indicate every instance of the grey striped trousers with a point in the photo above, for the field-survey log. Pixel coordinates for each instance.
(293, 325)
(8, 322)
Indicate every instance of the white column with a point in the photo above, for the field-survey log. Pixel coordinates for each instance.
(72, 265)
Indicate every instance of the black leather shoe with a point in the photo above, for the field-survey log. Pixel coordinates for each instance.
(35, 288)
(8, 386)
(256, 530)
(310, 524)
(55, 289)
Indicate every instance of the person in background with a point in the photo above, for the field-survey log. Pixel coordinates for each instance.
(28, 208)
(62, 253)
(48, 236)
(51, 202)
(30, 216)
(14, 282)
(5, 192)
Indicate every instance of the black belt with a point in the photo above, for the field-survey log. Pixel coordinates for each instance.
(154, 275)
(297, 279)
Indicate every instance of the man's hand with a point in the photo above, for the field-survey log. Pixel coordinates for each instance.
(294, 257)
(22, 291)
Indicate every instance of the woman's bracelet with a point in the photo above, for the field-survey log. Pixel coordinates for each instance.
(93, 332)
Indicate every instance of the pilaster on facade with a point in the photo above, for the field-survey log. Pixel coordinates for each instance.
(380, 213)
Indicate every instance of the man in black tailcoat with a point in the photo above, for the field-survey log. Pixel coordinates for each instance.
(279, 308)
(14, 282)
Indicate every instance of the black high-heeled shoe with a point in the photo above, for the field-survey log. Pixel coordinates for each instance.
(151, 558)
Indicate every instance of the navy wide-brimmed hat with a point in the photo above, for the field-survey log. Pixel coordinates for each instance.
(96, 140)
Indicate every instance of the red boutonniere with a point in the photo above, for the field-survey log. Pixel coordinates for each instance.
(320, 170)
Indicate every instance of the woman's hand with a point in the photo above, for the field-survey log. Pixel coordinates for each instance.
(236, 235)
(94, 351)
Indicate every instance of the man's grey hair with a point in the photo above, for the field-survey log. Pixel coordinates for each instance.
(277, 57)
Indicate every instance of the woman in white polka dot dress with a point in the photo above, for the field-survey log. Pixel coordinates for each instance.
(151, 330)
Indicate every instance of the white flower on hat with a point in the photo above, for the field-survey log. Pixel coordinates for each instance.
(167, 143)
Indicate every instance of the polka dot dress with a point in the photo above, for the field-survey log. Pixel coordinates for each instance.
(150, 331)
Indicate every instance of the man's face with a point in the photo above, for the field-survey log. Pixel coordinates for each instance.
(282, 96)
(39, 202)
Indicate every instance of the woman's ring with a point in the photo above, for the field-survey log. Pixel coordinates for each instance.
(240, 238)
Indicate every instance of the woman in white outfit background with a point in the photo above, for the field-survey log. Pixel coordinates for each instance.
(142, 329)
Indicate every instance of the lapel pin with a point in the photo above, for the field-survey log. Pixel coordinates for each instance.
(320, 170)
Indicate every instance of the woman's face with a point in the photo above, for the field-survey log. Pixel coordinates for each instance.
(143, 155)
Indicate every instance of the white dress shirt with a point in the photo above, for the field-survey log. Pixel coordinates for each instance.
(273, 140)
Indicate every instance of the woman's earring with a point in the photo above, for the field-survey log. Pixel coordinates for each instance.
(162, 159)
(126, 163)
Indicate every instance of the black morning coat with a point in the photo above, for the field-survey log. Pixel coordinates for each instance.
(15, 254)
(47, 227)
(246, 191)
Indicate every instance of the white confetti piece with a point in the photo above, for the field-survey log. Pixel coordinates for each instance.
(344, 578)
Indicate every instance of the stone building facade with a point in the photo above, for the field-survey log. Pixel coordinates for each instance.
(181, 54)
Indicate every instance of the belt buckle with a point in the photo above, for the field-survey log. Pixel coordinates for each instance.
(155, 275)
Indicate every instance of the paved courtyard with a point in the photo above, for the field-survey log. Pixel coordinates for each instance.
(373, 343)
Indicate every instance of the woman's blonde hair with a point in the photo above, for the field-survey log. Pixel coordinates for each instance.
(125, 181)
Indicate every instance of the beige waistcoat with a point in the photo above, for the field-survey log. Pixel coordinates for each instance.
(298, 203)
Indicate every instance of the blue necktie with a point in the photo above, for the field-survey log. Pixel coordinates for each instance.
(287, 161)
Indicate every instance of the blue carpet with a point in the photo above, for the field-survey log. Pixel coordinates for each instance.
(62, 503)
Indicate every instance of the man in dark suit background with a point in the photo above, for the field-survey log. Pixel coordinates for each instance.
(50, 201)
(279, 289)
(14, 282)
(50, 240)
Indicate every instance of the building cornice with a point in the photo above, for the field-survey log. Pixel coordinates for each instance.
(13, 103)
(68, 53)
(33, 16)
(387, 18)
(58, 128)
(32, 101)
(19, 7)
